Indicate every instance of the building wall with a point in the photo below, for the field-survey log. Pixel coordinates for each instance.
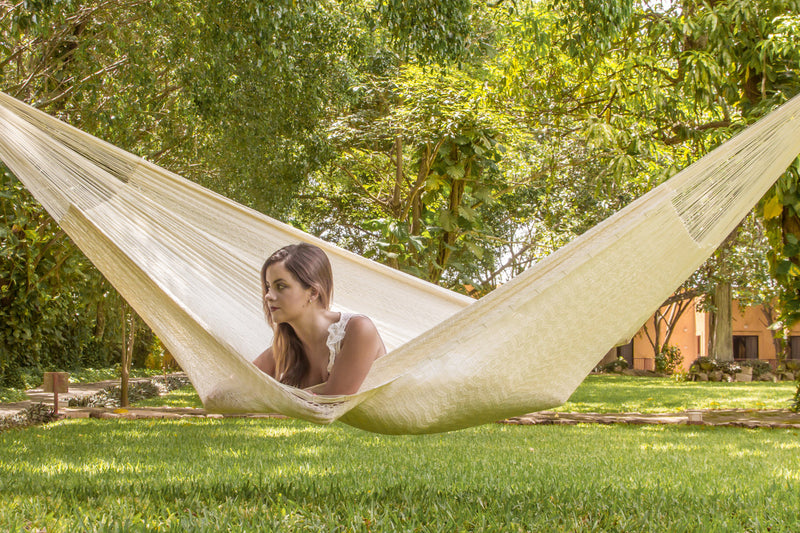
(752, 322)
(692, 334)
(688, 336)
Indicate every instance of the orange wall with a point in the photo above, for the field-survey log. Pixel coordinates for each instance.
(689, 336)
(692, 332)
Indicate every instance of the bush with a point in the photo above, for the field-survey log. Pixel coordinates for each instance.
(729, 367)
(669, 360)
(37, 413)
(704, 364)
(617, 365)
(707, 364)
(138, 390)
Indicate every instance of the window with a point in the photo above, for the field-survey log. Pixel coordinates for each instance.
(626, 352)
(794, 347)
(745, 346)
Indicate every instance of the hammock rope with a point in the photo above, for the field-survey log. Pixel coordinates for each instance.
(188, 260)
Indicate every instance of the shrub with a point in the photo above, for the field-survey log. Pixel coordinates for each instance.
(617, 365)
(704, 364)
(37, 413)
(138, 390)
(669, 360)
(729, 367)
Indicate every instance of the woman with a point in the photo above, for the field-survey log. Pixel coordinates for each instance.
(313, 346)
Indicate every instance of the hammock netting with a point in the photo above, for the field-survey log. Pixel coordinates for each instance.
(188, 260)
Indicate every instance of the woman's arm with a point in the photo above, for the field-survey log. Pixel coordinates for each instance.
(266, 362)
(361, 345)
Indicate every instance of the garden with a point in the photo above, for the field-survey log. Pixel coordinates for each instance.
(460, 142)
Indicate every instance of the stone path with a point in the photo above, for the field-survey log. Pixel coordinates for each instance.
(749, 418)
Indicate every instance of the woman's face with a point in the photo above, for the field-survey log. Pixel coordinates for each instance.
(286, 297)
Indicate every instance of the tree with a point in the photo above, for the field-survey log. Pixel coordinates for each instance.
(418, 168)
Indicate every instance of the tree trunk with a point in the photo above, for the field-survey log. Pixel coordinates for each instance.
(722, 332)
(127, 354)
(448, 237)
(100, 320)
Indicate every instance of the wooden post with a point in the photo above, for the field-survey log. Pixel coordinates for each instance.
(55, 382)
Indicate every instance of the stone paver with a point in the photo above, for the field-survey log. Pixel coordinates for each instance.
(753, 418)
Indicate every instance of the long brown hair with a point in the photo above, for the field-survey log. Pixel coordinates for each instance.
(311, 268)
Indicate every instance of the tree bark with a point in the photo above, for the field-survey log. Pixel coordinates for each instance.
(722, 332)
(127, 354)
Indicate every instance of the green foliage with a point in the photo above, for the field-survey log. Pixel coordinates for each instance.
(35, 414)
(759, 367)
(617, 365)
(668, 360)
(417, 177)
(709, 364)
(43, 320)
(12, 395)
(426, 30)
(781, 210)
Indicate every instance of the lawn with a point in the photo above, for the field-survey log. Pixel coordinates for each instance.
(607, 393)
(611, 393)
(287, 475)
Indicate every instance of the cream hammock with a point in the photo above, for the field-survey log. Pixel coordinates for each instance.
(188, 261)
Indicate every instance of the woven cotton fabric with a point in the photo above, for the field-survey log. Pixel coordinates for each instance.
(188, 261)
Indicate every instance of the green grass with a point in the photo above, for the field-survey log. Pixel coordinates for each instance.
(183, 397)
(285, 475)
(612, 393)
(609, 393)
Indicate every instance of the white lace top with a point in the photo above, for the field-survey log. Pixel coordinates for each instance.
(336, 333)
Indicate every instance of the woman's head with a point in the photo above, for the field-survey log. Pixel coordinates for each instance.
(292, 279)
(308, 265)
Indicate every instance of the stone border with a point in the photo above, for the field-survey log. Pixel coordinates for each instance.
(747, 418)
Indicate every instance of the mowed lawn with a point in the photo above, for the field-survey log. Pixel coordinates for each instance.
(613, 393)
(286, 475)
(606, 393)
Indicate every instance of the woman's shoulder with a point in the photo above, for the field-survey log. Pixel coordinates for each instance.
(359, 323)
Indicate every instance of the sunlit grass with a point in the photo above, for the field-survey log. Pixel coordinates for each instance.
(612, 393)
(183, 397)
(285, 475)
(607, 393)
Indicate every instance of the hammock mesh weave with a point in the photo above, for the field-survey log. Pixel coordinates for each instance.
(188, 260)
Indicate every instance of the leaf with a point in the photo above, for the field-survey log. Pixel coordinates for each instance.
(456, 171)
(447, 221)
(773, 208)
(476, 250)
